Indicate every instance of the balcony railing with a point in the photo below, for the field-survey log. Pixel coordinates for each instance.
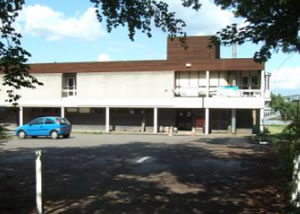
(226, 91)
(69, 92)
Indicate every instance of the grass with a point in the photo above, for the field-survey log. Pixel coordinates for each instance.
(276, 129)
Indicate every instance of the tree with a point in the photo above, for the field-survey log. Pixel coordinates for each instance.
(285, 107)
(13, 57)
(136, 14)
(273, 24)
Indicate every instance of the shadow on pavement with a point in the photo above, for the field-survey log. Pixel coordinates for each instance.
(143, 178)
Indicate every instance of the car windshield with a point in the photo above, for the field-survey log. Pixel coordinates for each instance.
(62, 121)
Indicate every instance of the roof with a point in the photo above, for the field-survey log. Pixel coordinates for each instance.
(150, 65)
(201, 53)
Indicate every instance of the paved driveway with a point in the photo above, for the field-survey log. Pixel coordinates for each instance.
(141, 174)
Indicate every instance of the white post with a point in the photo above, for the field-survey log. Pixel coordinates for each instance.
(261, 120)
(233, 121)
(107, 119)
(262, 83)
(21, 116)
(155, 119)
(234, 78)
(207, 83)
(206, 121)
(296, 181)
(39, 181)
(62, 111)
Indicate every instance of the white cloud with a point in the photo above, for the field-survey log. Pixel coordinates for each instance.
(39, 20)
(286, 78)
(207, 21)
(103, 57)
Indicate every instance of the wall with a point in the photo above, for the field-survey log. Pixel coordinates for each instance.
(198, 48)
(50, 91)
(125, 86)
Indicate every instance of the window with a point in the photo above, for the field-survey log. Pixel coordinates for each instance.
(69, 85)
(37, 121)
(62, 121)
(49, 121)
(245, 81)
(254, 82)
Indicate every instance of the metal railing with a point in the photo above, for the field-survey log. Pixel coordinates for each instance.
(69, 92)
(216, 92)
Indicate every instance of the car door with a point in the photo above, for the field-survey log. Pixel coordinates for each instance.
(49, 125)
(35, 127)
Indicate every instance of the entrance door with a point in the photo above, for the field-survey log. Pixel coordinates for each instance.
(184, 120)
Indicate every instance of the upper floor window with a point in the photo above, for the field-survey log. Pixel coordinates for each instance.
(69, 85)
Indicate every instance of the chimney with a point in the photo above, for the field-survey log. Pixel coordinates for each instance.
(234, 50)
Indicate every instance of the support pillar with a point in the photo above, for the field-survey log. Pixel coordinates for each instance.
(233, 121)
(206, 121)
(62, 111)
(21, 116)
(155, 119)
(262, 83)
(261, 120)
(207, 83)
(234, 78)
(107, 117)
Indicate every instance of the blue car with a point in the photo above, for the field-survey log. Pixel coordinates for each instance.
(45, 126)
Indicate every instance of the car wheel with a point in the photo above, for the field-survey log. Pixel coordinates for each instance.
(66, 135)
(34, 136)
(21, 134)
(54, 134)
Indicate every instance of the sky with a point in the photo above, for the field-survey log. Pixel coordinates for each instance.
(68, 31)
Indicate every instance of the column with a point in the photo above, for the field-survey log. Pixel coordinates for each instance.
(62, 111)
(155, 119)
(20, 116)
(107, 119)
(262, 83)
(206, 121)
(261, 120)
(207, 83)
(234, 78)
(233, 121)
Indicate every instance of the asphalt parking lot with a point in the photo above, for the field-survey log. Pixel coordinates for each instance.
(93, 173)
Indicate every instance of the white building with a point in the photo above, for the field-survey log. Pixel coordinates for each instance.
(193, 89)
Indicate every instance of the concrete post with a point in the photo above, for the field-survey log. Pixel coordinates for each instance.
(233, 78)
(233, 121)
(20, 116)
(206, 121)
(155, 119)
(39, 181)
(262, 83)
(107, 119)
(261, 120)
(62, 111)
(207, 83)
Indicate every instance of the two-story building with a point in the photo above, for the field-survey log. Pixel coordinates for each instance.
(193, 89)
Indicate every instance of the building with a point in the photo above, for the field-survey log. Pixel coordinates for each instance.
(193, 89)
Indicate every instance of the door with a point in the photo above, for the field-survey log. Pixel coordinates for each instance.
(184, 120)
(36, 127)
(49, 125)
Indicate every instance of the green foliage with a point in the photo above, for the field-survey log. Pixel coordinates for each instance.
(13, 57)
(3, 133)
(273, 24)
(286, 108)
(141, 15)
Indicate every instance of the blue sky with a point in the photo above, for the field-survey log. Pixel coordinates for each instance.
(68, 31)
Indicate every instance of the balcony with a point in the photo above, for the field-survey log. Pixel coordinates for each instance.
(224, 91)
(69, 92)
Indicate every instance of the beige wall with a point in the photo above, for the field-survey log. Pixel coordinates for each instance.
(50, 90)
(125, 85)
